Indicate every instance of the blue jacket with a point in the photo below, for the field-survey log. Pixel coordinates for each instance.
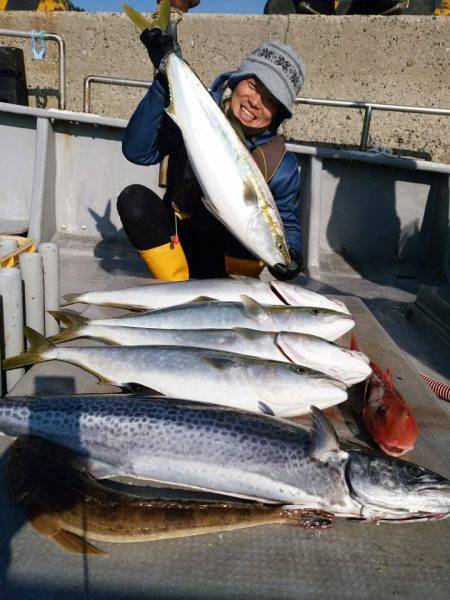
(151, 135)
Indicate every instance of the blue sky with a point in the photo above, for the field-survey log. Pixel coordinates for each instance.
(206, 6)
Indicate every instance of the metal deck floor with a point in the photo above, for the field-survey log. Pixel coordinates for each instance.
(274, 562)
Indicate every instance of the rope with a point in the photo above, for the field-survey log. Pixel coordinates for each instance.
(442, 390)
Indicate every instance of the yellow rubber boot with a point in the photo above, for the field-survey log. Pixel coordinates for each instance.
(243, 266)
(167, 262)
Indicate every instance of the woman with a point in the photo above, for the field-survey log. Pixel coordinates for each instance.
(177, 237)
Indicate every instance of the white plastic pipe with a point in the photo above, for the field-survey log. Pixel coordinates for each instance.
(33, 288)
(12, 320)
(7, 247)
(50, 260)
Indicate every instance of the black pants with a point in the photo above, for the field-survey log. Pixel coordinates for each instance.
(149, 222)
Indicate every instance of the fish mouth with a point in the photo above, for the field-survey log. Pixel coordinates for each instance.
(392, 450)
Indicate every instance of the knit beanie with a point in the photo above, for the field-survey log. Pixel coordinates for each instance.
(278, 67)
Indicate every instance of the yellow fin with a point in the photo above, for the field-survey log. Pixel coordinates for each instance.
(74, 543)
(142, 23)
(139, 20)
(31, 356)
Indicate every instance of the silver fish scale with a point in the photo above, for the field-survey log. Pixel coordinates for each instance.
(183, 443)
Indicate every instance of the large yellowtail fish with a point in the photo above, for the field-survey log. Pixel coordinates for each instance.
(234, 188)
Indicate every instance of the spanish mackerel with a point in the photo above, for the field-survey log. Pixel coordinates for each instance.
(66, 504)
(321, 322)
(163, 295)
(308, 351)
(232, 452)
(195, 374)
(234, 188)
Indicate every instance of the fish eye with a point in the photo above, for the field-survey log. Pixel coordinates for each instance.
(280, 246)
(414, 470)
(315, 311)
(382, 409)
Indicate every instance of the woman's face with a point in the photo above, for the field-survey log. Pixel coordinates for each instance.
(253, 105)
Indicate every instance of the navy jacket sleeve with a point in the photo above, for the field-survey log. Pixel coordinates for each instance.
(285, 187)
(151, 133)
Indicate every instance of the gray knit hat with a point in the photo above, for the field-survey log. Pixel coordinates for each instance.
(278, 67)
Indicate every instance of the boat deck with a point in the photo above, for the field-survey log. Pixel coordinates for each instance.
(352, 559)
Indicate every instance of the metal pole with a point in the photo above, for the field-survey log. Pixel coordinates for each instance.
(50, 260)
(11, 293)
(108, 80)
(365, 130)
(61, 58)
(427, 110)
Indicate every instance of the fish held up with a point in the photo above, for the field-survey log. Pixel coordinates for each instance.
(237, 193)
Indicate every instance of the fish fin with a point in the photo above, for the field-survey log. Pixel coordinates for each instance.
(354, 344)
(100, 470)
(324, 436)
(248, 334)
(388, 380)
(203, 299)
(250, 193)
(73, 323)
(42, 522)
(170, 110)
(71, 299)
(71, 542)
(265, 409)
(212, 209)
(31, 356)
(138, 388)
(48, 527)
(220, 363)
(142, 23)
(253, 309)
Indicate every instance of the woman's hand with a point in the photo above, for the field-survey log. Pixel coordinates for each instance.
(287, 272)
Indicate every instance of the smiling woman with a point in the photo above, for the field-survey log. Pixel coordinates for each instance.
(253, 105)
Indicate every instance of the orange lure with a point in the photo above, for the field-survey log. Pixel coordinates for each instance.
(386, 415)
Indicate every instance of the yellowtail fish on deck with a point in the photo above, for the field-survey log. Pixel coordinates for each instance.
(162, 295)
(306, 350)
(210, 376)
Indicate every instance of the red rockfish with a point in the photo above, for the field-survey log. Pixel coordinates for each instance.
(386, 415)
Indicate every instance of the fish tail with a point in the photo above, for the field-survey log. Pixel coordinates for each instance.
(71, 299)
(33, 355)
(72, 321)
(47, 525)
(162, 21)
